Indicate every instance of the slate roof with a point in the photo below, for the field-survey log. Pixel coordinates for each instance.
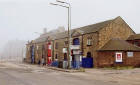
(85, 29)
(134, 37)
(94, 27)
(119, 45)
(43, 37)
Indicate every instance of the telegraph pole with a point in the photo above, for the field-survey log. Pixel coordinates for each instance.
(69, 26)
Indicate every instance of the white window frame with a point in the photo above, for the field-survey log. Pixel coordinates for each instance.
(37, 47)
(130, 54)
(89, 41)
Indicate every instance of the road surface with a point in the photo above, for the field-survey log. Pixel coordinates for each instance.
(20, 74)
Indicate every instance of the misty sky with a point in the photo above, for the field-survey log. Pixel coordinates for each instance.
(19, 19)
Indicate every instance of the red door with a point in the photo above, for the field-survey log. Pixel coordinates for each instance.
(49, 55)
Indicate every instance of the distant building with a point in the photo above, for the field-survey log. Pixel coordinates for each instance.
(14, 50)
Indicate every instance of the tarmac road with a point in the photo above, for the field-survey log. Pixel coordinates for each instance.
(14, 74)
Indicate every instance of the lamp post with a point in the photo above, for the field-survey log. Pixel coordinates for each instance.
(69, 26)
(37, 33)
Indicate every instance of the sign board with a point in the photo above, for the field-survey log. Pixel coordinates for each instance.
(84, 56)
(76, 52)
(118, 57)
(75, 47)
(64, 50)
(49, 46)
(129, 54)
(49, 50)
(80, 58)
(37, 47)
(70, 58)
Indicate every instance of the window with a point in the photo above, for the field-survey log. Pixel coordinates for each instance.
(129, 54)
(37, 47)
(136, 43)
(89, 41)
(76, 41)
(56, 45)
(66, 42)
(56, 56)
(64, 50)
(28, 48)
(88, 54)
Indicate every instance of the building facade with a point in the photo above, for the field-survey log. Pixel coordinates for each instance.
(87, 39)
(117, 52)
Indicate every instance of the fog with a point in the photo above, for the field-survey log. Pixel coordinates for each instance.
(14, 50)
(20, 19)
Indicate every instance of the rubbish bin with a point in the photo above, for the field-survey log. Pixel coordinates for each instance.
(55, 63)
(87, 62)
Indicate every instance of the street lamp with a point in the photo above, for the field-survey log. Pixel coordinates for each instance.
(69, 26)
(37, 33)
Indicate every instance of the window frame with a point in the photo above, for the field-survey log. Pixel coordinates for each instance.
(56, 56)
(89, 41)
(56, 45)
(136, 43)
(132, 55)
(66, 43)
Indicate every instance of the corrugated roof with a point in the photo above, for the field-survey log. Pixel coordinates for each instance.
(134, 37)
(119, 45)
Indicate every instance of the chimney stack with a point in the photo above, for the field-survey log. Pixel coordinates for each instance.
(44, 30)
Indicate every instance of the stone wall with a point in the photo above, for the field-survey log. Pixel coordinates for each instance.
(28, 54)
(114, 30)
(107, 59)
(59, 49)
(39, 51)
(90, 48)
(84, 48)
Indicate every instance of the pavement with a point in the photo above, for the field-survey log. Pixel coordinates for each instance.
(12, 73)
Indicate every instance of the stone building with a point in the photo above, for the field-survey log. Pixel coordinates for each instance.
(41, 45)
(134, 39)
(117, 52)
(89, 38)
(93, 37)
(30, 55)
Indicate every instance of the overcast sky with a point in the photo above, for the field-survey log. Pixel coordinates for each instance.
(19, 19)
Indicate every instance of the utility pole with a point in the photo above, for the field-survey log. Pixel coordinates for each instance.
(69, 26)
